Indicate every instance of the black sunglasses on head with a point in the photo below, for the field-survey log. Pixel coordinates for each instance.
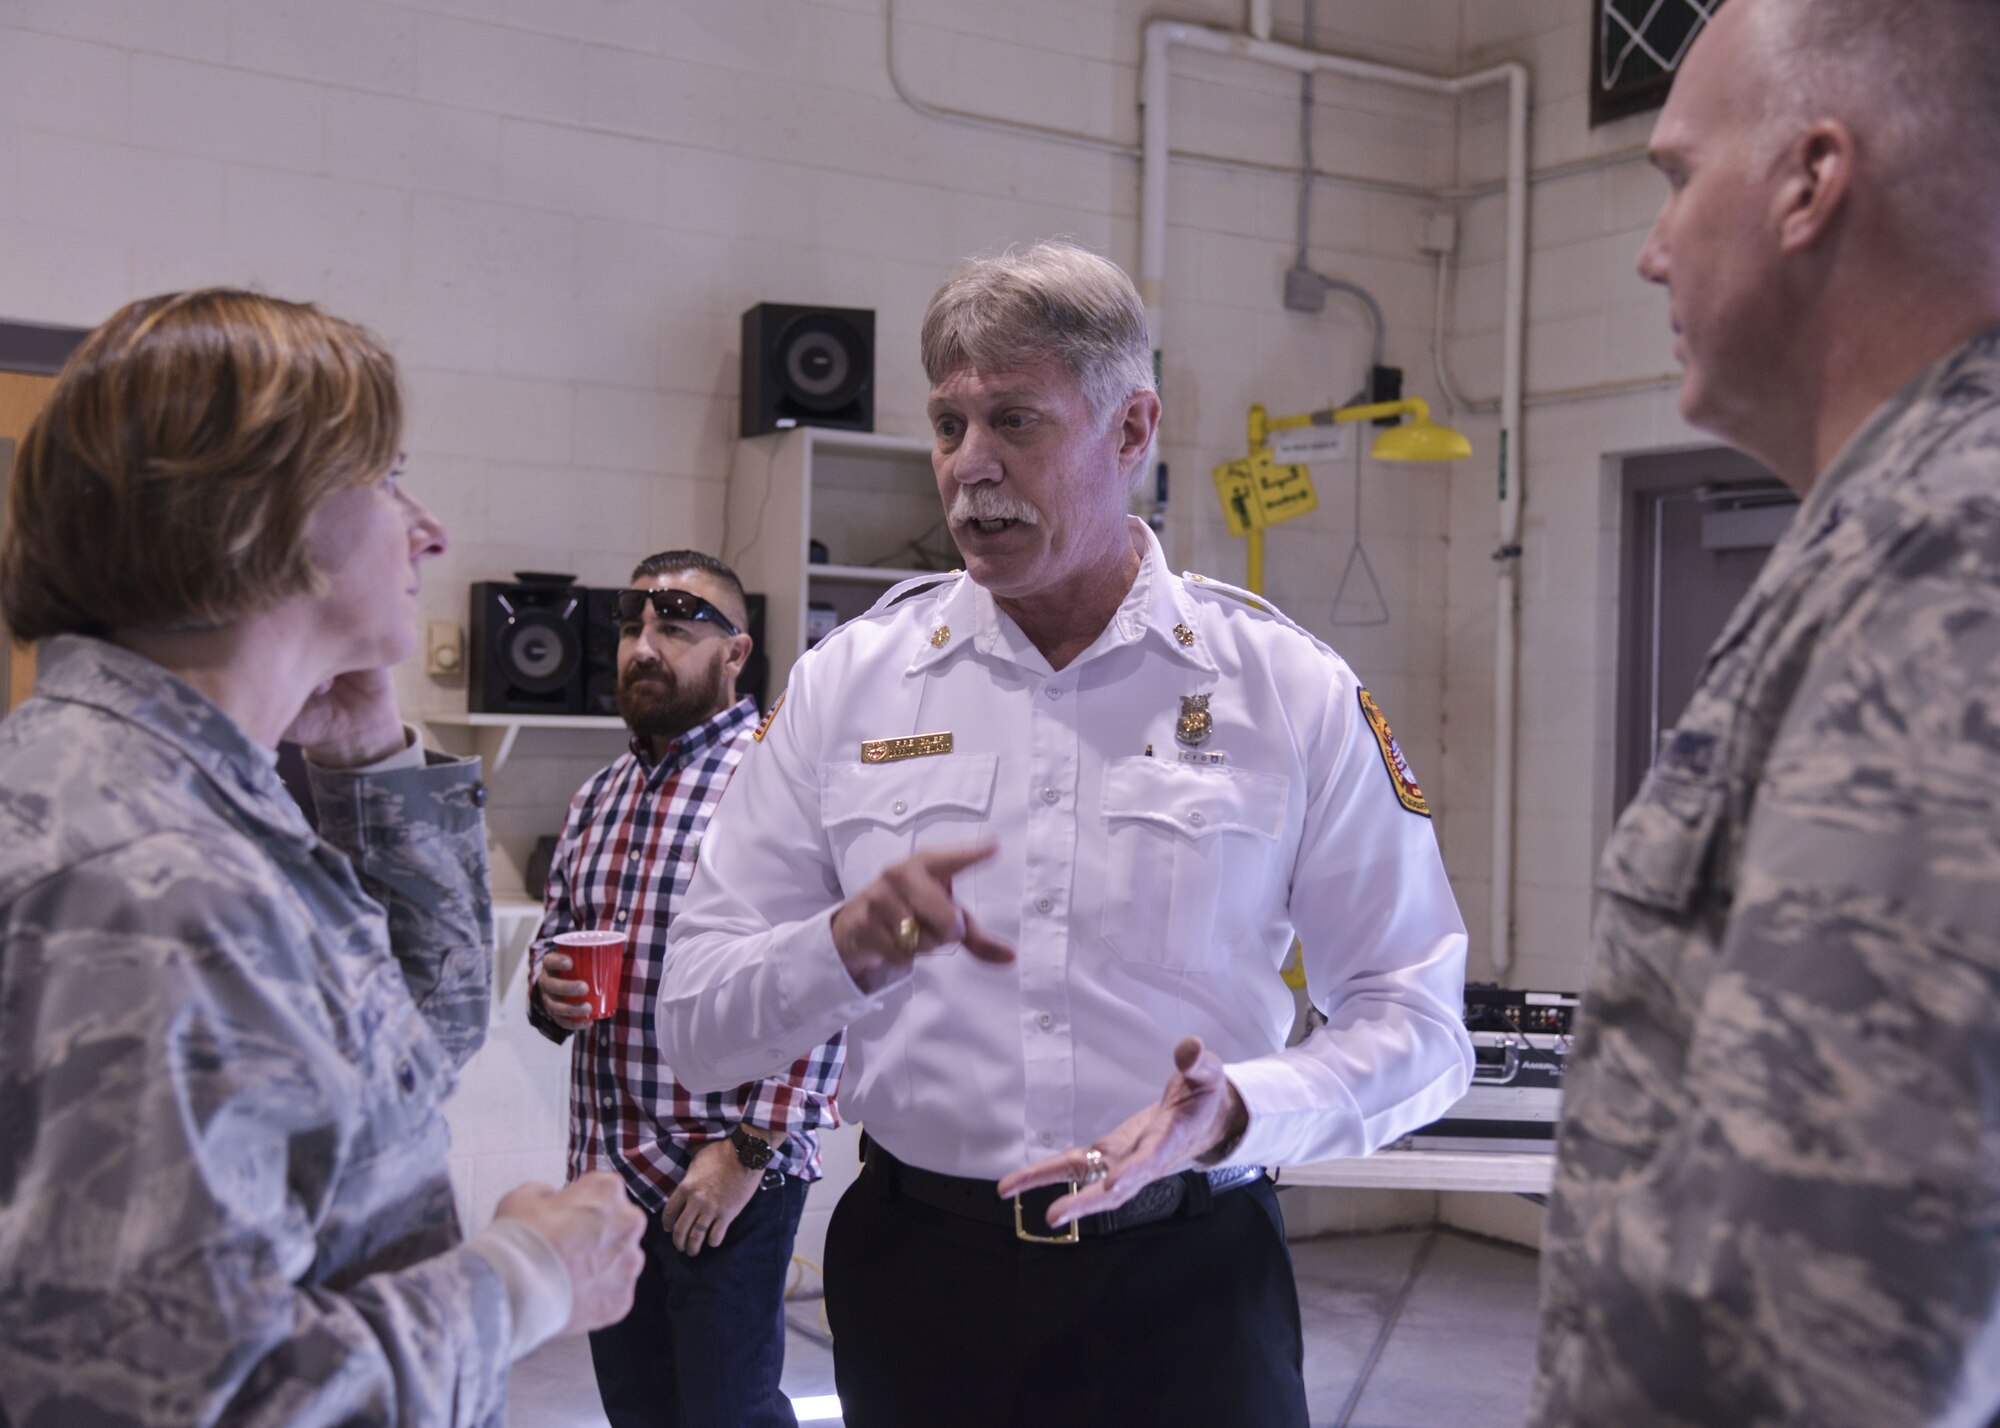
(630, 607)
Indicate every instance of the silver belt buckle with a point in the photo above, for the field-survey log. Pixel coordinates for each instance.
(1072, 1233)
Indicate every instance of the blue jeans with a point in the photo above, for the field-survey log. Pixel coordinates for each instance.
(704, 1344)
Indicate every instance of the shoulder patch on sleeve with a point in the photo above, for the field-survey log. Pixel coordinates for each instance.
(765, 727)
(1400, 777)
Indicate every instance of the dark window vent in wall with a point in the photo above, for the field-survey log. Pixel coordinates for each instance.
(1636, 45)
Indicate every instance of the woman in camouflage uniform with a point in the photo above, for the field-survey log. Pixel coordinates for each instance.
(224, 1039)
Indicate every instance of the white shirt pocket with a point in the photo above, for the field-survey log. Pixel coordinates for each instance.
(1179, 840)
(879, 814)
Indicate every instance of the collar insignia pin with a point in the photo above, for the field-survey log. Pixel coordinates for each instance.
(1184, 635)
(1196, 723)
(940, 637)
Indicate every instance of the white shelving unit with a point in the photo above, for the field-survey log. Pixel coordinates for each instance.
(870, 498)
(881, 575)
(492, 736)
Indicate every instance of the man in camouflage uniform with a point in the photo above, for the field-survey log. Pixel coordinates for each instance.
(1778, 1194)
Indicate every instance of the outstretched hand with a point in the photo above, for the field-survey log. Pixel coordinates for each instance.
(1198, 1112)
(351, 719)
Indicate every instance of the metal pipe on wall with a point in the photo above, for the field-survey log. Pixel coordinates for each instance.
(1507, 597)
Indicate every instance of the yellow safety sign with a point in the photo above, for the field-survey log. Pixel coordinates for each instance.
(1257, 492)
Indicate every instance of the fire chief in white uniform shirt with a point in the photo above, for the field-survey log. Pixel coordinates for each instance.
(1040, 835)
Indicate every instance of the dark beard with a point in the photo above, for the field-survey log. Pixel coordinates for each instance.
(654, 705)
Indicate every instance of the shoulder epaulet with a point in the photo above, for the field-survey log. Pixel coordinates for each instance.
(1208, 585)
(1205, 584)
(909, 589)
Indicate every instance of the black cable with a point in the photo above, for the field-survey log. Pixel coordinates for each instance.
(1509, 1020)
(915, 546)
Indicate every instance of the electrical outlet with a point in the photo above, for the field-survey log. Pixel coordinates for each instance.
(444, 648)
(1438, 233)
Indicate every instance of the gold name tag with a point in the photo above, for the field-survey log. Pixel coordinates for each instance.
(887, 751)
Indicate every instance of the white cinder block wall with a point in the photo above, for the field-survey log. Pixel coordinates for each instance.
(1601, 385)
(1597, 336)
(554, 210)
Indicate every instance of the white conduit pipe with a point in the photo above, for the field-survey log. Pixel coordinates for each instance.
(1161, 38)
(1260, 19)
(1506, 637)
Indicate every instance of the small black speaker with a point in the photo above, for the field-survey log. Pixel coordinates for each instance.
(808, 366)
(600, 652)
(526, 648)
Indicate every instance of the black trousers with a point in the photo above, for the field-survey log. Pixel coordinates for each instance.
(942, 1320)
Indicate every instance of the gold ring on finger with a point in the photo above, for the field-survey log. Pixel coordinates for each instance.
(908, 933)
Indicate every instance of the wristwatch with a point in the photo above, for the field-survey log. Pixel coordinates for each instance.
(753, 1152)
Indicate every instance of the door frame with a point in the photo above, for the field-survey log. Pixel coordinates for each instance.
(1646, 480)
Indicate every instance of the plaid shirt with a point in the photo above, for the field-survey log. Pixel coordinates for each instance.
(624, 861)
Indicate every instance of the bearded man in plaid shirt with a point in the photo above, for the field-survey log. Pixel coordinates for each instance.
(722, 1177)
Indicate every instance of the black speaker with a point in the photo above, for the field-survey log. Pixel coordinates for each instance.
(526, 648)
(808, 366)
(600, 652)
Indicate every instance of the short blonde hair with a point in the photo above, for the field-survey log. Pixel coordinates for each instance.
(168, 481)
(1053, 299)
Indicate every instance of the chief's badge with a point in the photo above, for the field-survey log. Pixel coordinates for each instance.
(1400, 777)
(1196, 723)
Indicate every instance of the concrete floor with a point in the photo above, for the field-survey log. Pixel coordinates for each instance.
(1458, 1355)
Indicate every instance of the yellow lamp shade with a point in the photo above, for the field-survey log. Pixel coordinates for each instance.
(1421, 439)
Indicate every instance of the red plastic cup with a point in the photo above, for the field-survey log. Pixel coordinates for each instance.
(597, 959)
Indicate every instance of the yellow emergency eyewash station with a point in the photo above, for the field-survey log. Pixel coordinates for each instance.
(1257, 491)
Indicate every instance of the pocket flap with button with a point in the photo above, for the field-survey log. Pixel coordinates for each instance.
(895, 795)
(1657, 853)
(1195, 800)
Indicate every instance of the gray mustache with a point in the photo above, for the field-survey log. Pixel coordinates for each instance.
(984, 503)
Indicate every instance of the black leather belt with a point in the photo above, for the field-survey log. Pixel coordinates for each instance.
(1178, 1197)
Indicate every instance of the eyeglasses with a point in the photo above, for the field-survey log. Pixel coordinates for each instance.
(630, 606)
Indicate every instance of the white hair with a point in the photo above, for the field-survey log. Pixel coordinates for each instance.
(1053, 299)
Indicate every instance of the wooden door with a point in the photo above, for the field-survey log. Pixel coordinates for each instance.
(21, 396)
